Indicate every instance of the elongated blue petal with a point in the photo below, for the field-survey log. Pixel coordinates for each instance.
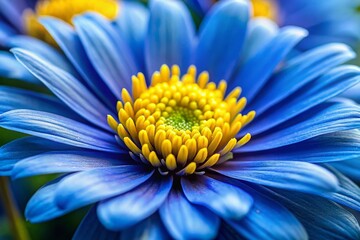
(184, 220)
(298, 72)
(150, 229)
(107, 52)
(223, 199)
(9, 11)
(91, 229)
(348, 193)
(15, 98)
(66, 161)
(132, 24)
(66, 87)
(99, 184)
(132, 207)
(323, 219)
(10, 68)
(221, 38)
(70, 43)
(298, 176)
(41, 207)
(43, 50)
(326, 87)
(170, 35)
(267, 219)
(333, 147)
(325, 118)
(256, 71)
(59, 129)
(350, 168)
(13, 152)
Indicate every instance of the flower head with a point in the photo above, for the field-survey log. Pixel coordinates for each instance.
(151, 122)
(326, 21)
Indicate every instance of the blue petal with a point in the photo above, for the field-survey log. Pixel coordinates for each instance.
(107, 52)
(10, 68)
(66, 87)
(70, 43)
(43, 50)
(350, 168)
(325, 118)
(9, 11)
(261, 31)
(170, 35)
(132, 25)
(15, 98)
(59, 129)
(13, 152)
(150, 229)
(299, 71)
(267, 219)
(184, 220)
(298, 176)
(199, 6)
(91, 229)
(337, 146)
(254, 73)
(41, 207)
(225, 200)
(325, 87)
(221, 38)
(348, 193)
(65, 161)
(81, 189)
(321, 218)
(131, 207)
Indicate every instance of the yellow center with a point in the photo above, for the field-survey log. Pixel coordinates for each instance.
(65, 10)
(264, 8)
(181, 124)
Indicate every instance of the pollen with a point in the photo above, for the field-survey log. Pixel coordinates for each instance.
(64, 10)
(181, 124)
(264, 8)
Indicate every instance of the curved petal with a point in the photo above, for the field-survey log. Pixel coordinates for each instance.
(132, 207)
(9, 11)
(348, 193)
(81, 189)
(325, 118)
(170, 35)
(254, 73)
(184, 220)
(65, 161)
(43, 50)
(326, 87)
(350, 168)
(225, 200)
(333, 147)
(91, 229)
(150, 229)
(13, 152)
(66, 87)
(69, 42)
(298, 176)
(41, 207)
(222, 34)
(59, 129)
(267, 219)
(10, 68)
(107, 52)
(299, 71)
(322, 218)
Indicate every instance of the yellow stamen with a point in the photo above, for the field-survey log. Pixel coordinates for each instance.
(182, 125)
(264, 8)
(65, 10)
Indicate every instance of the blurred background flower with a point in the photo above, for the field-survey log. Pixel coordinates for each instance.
(138, 180)
(327, 21)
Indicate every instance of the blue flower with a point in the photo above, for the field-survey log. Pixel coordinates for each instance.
(326, 21)
(182, 155)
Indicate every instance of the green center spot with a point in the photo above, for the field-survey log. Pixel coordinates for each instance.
(182, 119)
